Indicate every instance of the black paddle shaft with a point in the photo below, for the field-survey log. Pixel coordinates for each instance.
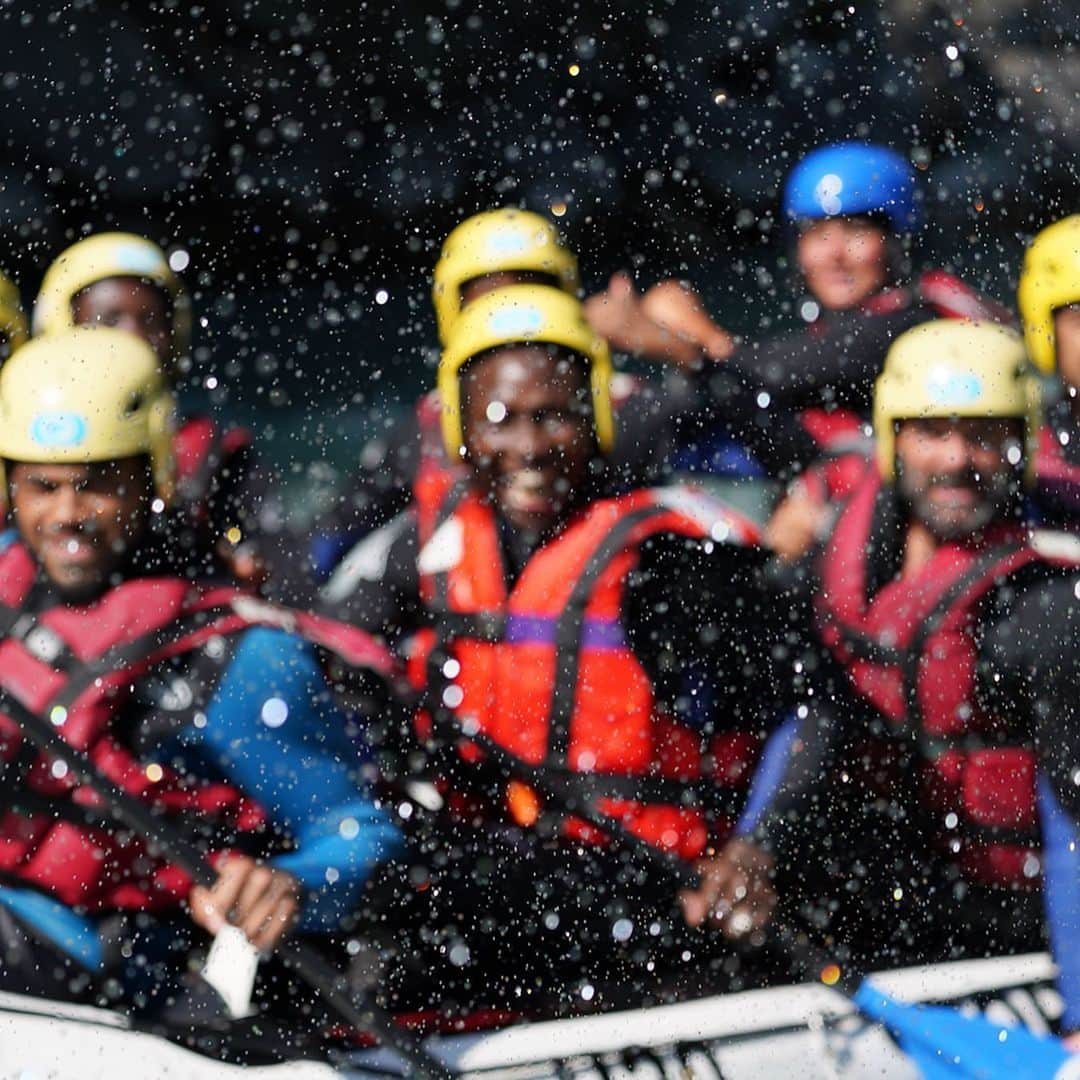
(356, 1010)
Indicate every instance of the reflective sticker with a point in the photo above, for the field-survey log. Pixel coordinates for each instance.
(58, 429)
(139, 259)
(827, 193)
(948, 387)
(516, 320)
(511, 242)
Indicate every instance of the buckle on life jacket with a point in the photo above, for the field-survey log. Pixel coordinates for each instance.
(523, 802)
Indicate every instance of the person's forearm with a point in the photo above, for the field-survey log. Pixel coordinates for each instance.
(335, 857)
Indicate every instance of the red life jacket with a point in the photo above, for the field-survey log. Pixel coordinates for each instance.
(910, 653)
(79, 665)
(544, 668)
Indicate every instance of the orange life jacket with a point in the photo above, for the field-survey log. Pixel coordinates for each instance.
(544, 669)
(910, 652)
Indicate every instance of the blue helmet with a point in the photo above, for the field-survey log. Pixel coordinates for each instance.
(852, 179)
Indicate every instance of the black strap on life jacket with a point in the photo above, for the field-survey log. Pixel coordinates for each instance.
(125, 654)
(569, 626)
(42, 642)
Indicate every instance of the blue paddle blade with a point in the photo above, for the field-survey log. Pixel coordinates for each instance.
(946, 1045)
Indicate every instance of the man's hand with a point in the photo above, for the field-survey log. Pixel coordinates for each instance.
(736, 893)
(617, 315)
(259, 900)
(675, 307)
(796, 524)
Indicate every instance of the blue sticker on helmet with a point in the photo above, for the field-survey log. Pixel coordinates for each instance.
(945, 387)
(516, 320)
(511, 243)
(139, 259)
(59, 430)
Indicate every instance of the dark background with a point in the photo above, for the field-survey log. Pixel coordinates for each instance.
(310, 158)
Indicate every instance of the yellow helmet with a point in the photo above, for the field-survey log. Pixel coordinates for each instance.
(13, 325)
(58, 405)
(109, 255)
(1050, 279)
(523, 314)
(493, 242)
(953, 367)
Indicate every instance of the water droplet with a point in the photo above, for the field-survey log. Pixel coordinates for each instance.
(349, 828)
(274, 712)
(154, 772)
(58, 714)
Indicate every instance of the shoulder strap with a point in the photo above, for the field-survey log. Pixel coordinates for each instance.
(570, 623)
(127, 653)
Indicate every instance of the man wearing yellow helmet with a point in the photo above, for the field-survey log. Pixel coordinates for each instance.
(125, 281)
(526, 597)
(223, 726)
(936, 701)
(489, 251)
(1049, 302)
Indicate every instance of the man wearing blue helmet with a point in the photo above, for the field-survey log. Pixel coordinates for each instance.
(855, 207)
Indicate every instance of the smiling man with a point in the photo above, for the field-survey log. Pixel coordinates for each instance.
(188, 696)
(562, 622)
(926, 785)
(125, 282)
